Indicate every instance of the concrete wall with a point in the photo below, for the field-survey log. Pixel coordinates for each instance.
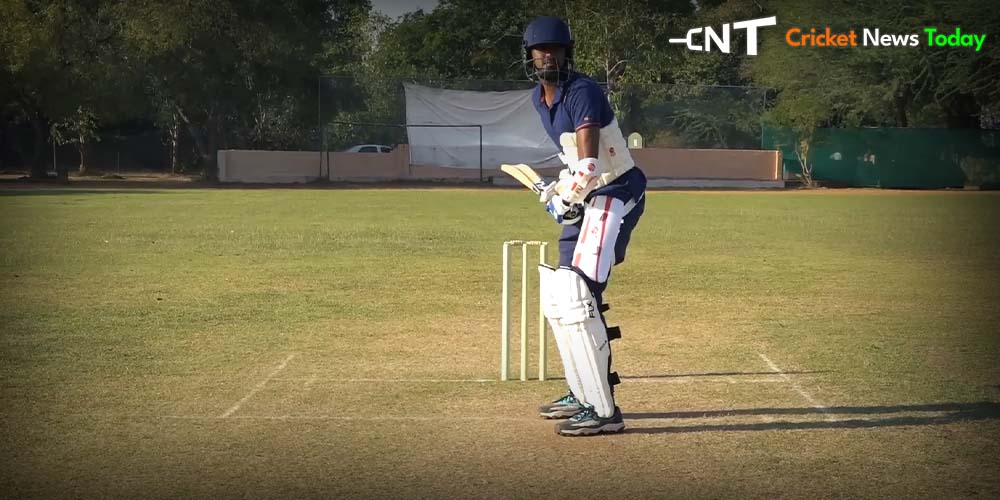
(368, 166)
(270, 167)
(681, 167)
(394, 166)
(718, 164)
(709, 163)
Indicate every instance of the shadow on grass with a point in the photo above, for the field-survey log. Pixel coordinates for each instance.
(699, 375)
(148, 186)
(885, 416)
(71, 191)
(720, 374)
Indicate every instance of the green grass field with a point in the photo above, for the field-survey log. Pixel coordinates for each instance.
(324, 344)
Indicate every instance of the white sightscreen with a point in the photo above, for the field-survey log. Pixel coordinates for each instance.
(512, 131)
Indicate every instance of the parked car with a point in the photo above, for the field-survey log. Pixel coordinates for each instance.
(369, 148)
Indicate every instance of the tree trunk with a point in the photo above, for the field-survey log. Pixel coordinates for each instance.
(902, 102)
(207, 149)
(199, 141)
(802, 151)
(175, 131)
(82, 148)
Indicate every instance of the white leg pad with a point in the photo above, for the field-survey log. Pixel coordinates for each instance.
(587, 338)
(550, 307)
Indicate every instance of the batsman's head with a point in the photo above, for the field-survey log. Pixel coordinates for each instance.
(548, 50)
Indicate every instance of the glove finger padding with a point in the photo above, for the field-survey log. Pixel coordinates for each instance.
(546, 192)
(562, 212)
(573, 215)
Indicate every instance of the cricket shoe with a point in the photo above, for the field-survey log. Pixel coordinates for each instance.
(587, 423)
(564, 407)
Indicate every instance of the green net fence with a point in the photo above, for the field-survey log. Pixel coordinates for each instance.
(894, 157)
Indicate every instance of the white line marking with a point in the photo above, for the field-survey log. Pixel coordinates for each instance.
(815, 404)
(257, 388)
(717, 380)
(350, 418)
(636, 380)
(687, 417)
(412, 380)
(315, 379)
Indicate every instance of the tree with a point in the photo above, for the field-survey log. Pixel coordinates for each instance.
(27, 72)
(716, 67)
(872, 86)
(460, 39)
(80, 129)
(624, 42)
(235, 73)
(875, 86)
(964, 84)
(465, 39)
(62, 68)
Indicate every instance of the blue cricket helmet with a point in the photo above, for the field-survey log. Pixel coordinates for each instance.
(547, 30)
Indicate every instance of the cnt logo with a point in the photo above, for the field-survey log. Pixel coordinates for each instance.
(711, 37)
(703, 39)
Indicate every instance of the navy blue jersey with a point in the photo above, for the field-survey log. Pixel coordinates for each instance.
(579, 103)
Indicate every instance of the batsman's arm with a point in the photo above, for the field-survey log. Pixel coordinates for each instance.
(586, 171)
(588, 141)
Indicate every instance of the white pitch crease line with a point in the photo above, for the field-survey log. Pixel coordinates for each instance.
(388, 418)
(423, 380)
(390, 380)
(715, 380)
(352, 418)
(636, 380)
(257, 387)
(802, 392)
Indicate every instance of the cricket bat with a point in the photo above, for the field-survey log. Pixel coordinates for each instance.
(525, 175)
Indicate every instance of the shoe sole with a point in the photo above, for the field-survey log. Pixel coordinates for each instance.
(558, 414)
(590, 431)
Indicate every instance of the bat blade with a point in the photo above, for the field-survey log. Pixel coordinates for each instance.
(525, 175)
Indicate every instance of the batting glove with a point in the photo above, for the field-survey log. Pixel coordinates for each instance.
(547, 191)
(562, 212)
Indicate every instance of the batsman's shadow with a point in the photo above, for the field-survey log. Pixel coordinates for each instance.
(716, 374)
(834, 417)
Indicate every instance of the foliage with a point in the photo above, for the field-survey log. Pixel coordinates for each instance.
(236, 73)
(79, 128)
(244, 74)
(879, 86)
